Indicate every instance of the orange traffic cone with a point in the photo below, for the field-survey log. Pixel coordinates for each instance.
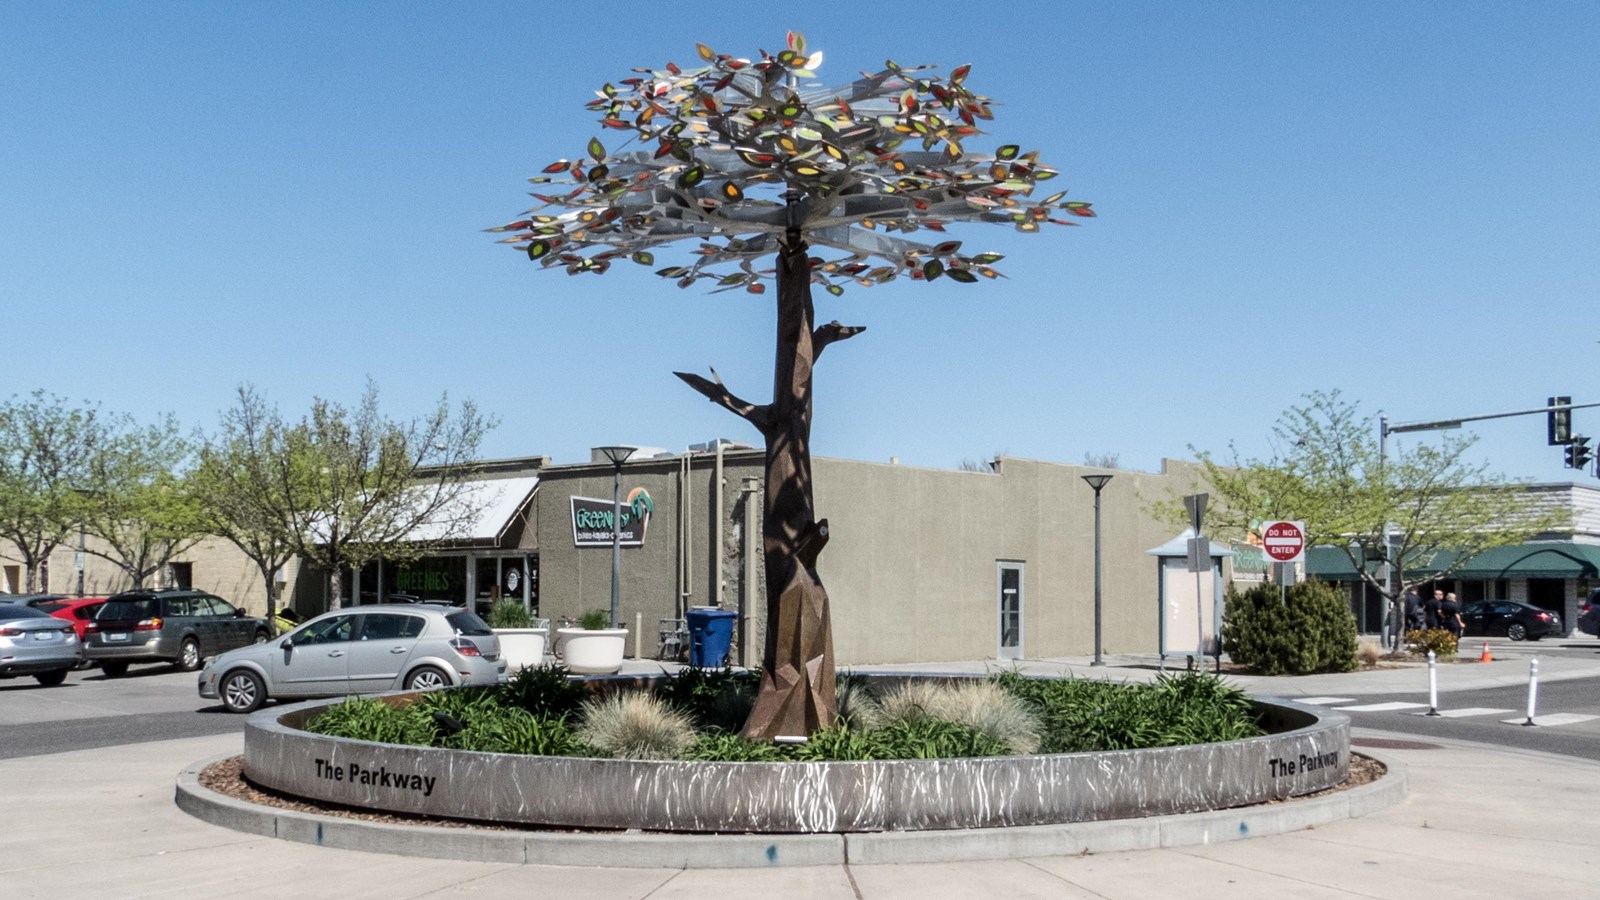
(1485, 657)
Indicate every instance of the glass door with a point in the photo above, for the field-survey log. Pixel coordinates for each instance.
(1010, 611)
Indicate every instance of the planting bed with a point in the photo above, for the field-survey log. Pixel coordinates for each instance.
(1306, 750)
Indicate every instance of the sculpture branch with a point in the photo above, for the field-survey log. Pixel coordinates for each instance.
(718, 393)
(829, 334)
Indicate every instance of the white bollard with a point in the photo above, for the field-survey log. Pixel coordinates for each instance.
(1533, 689)
(1433, 686)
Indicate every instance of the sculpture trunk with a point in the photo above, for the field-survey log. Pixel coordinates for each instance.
(797, 681)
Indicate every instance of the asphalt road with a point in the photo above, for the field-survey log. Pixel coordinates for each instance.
(150, 703)
(1480, 715)
(153, 703)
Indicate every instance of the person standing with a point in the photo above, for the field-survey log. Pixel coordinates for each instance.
(1413, 609)
(1430, 610)
(1450, 617)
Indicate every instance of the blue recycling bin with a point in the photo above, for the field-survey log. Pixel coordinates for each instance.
(710, 635)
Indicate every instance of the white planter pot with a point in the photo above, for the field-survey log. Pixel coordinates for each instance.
(521, 648)
(593, 652)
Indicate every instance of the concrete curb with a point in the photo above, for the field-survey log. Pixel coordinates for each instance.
(704, 851)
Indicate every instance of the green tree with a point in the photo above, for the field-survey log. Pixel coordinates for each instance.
(342, 487)
(46, 450)
(1329, 470)
(136, 498)
(243, 483)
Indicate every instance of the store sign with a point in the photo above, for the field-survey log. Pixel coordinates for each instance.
(592, 520)
(1249, 563)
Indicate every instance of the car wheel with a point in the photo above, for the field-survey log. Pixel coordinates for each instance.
(1516, 631)
(189, 655)
(114, 669)
(51, 679)
(262, 637)
(427, 678)
(242, 691)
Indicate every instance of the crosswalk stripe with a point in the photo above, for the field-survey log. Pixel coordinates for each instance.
(1324, 701)
(1553, 719)
(1383, 707)
(1469, 711)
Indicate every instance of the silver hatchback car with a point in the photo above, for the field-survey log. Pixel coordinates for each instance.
(359, 650)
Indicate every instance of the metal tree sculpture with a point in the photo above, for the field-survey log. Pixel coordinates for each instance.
(754, 158)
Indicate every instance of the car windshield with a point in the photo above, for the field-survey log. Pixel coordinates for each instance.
(465, 622)
(12, 611)
(127, 609)
(50, 606)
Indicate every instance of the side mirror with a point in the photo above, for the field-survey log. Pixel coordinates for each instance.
(238, 612)
(287, 644)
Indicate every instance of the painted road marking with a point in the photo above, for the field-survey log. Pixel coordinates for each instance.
(1553, 719)
(1469, 711)
(1383, 707)
(1323, 701)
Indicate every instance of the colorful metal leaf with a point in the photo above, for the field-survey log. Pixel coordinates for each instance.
(890, 154)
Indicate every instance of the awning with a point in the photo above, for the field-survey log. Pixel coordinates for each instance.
(495, 502)
(490, 507)
(1546, 559)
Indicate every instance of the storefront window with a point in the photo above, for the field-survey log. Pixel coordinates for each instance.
(430, 578)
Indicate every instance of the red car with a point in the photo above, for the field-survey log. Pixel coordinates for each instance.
(77, 610)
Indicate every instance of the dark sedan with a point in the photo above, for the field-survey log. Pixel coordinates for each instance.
(1517, 621)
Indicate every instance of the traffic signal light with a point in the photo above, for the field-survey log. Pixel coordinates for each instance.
(1560, 421)
(1578, 453)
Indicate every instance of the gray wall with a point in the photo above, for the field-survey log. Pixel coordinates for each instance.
(911, 562)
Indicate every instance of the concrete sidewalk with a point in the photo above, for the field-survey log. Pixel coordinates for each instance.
(1479, 821)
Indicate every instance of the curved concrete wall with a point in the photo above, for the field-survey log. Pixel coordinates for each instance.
(1309, 751)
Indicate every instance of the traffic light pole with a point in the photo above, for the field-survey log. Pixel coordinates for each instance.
(1556, 406)
(1442, 424)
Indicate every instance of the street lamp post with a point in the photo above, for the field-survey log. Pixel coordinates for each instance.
(1097, 482)
(617, 456)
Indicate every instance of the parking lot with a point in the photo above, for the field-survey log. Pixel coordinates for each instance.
(154, 702)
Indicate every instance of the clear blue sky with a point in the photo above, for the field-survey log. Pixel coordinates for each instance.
(1399, 200)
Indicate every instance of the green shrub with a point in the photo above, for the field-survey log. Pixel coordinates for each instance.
(508, 613)
(369, 719)
(633, 725)
(544, 691)
(1310, 630)
(595, 620)
(503, 730)
(1077, 715)
(715, 699)
(723, 746)
(935, 739)
(1441, 642)
(921, 738)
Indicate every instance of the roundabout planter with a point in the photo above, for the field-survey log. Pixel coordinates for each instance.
(1309, 750)
(588, 651)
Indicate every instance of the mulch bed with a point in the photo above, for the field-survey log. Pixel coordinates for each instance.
(227, 778)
